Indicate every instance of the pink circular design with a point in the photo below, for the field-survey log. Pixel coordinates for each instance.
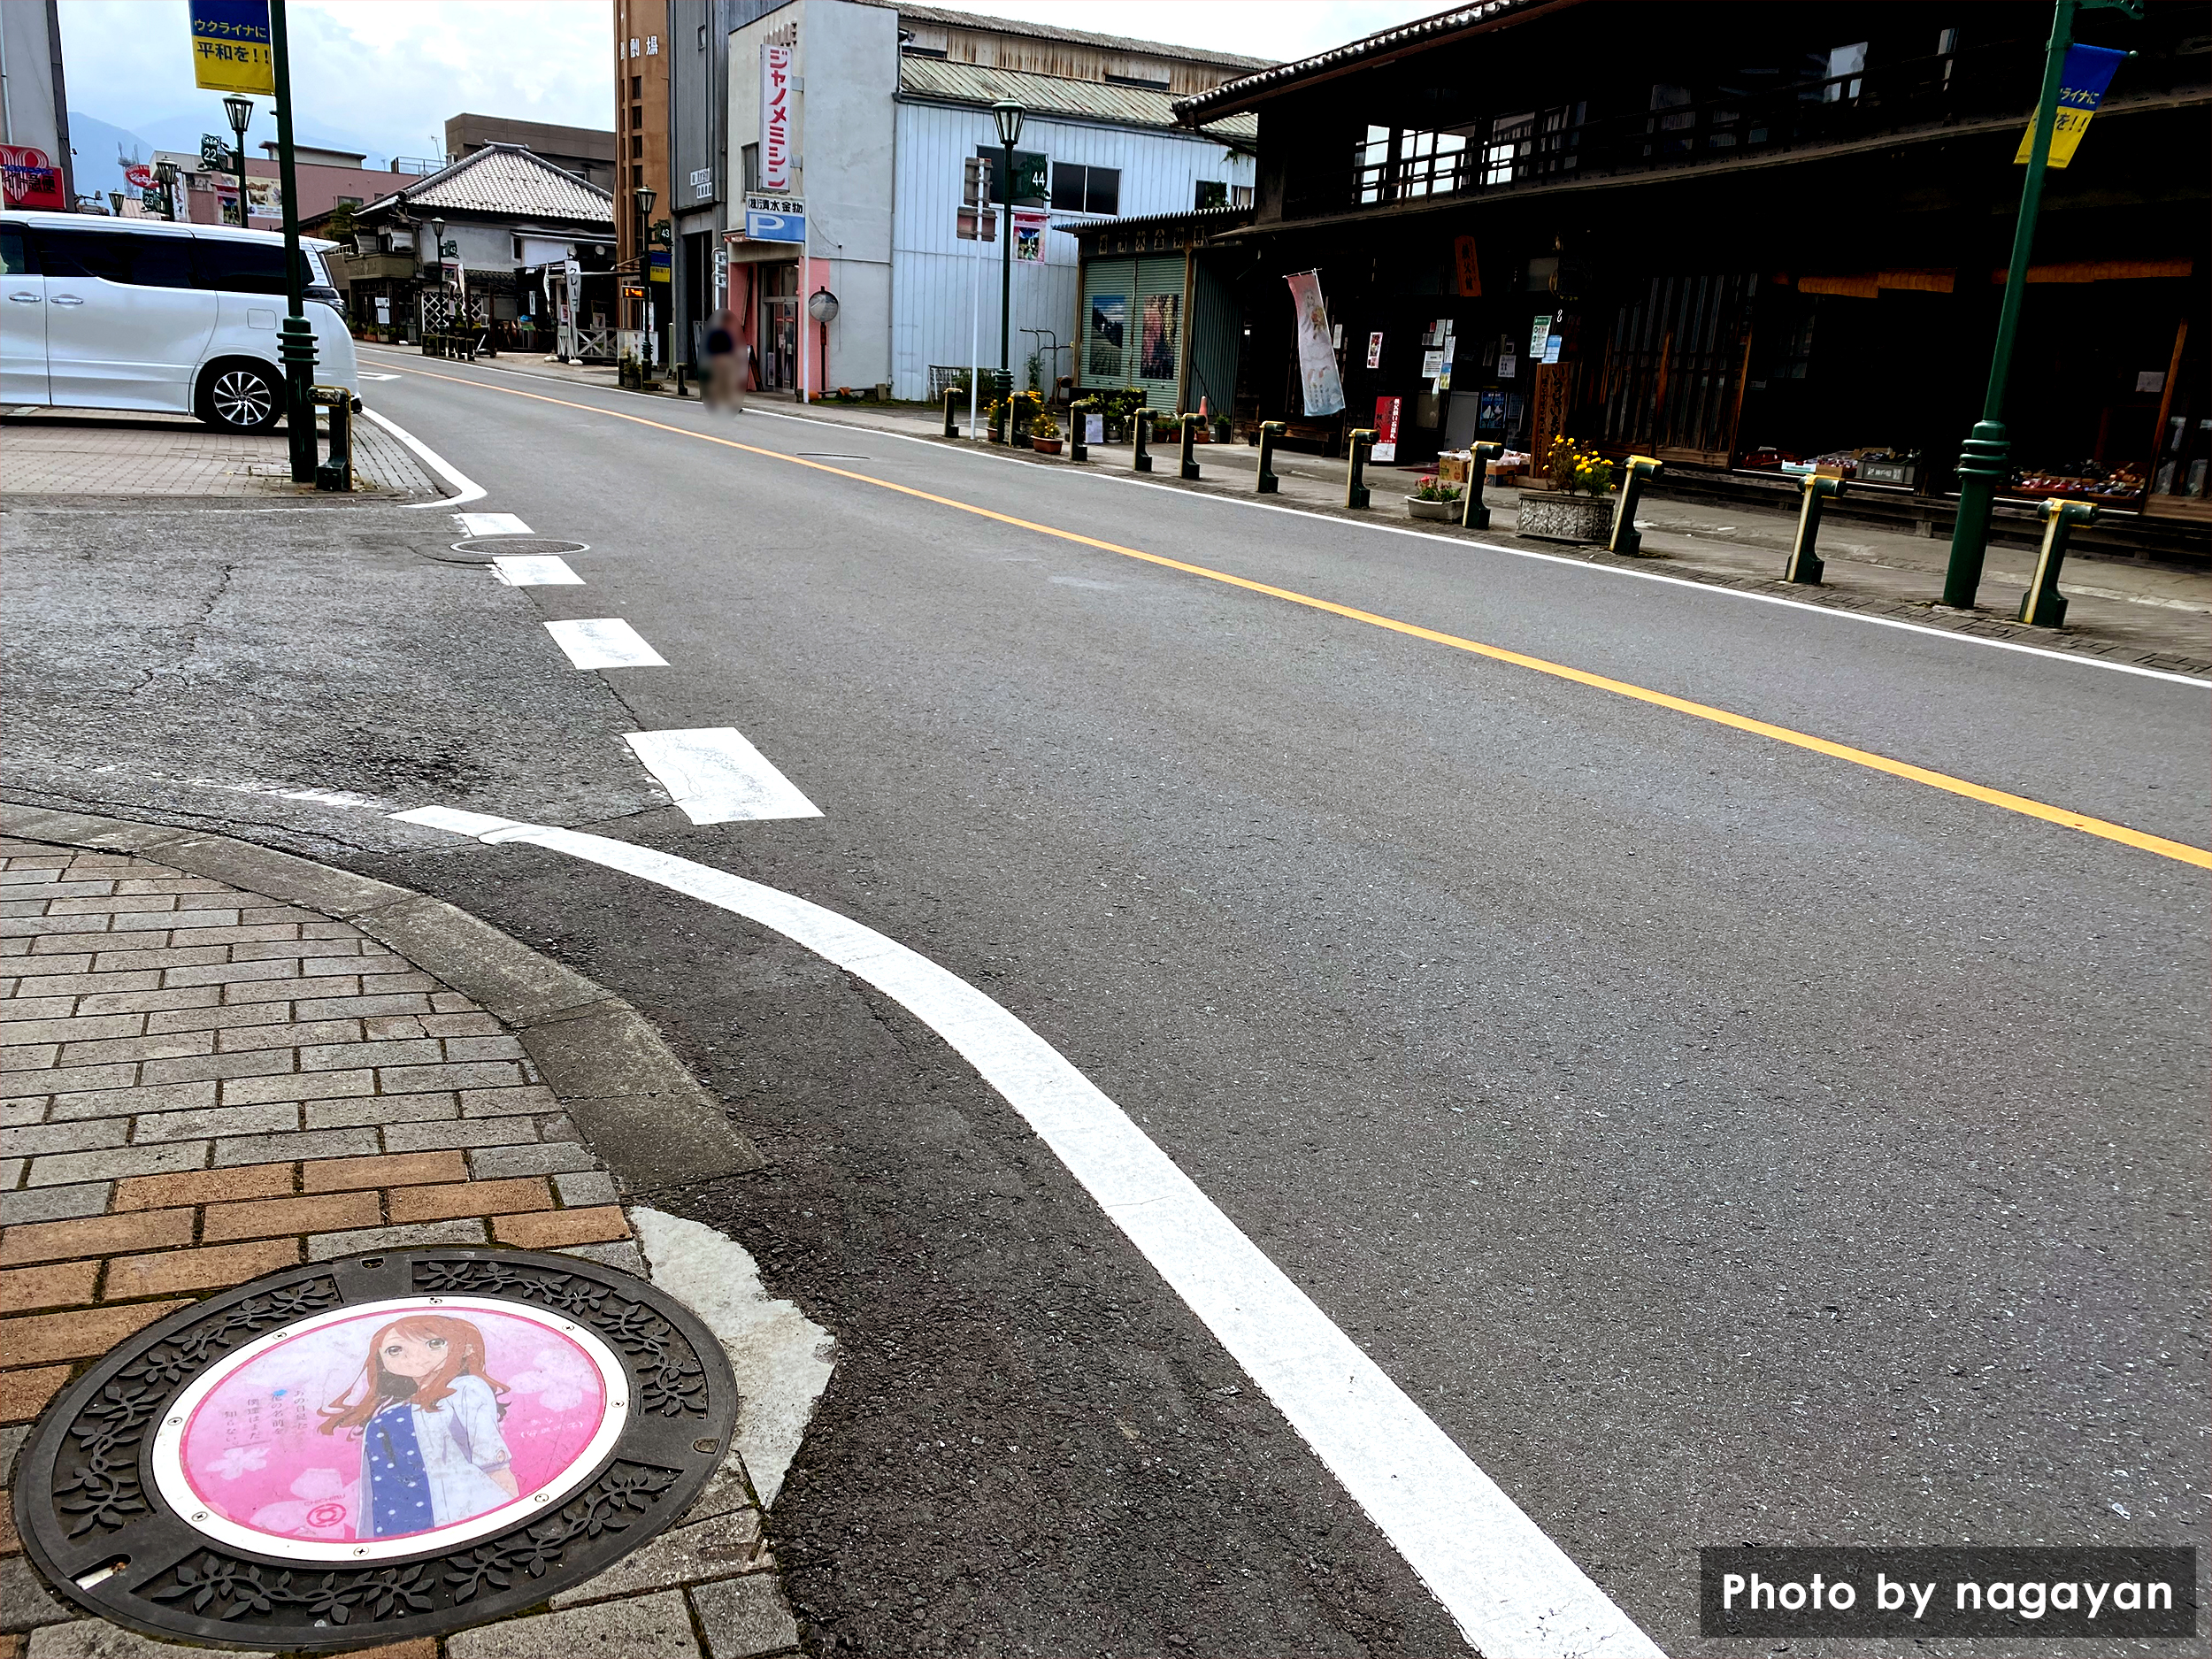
(463, 1413)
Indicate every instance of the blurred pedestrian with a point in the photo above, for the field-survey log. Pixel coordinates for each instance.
(726, 365)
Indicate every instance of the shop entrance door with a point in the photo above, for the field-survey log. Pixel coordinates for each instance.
(1674, 367)
(779, 332)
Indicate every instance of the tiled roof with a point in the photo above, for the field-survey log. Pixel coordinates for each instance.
(941, 80)
(1084, 37)
(1241, 94)
(510, 181)
(1201, 221)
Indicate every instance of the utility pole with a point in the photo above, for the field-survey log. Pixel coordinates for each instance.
(296, 346)
(1984, 461)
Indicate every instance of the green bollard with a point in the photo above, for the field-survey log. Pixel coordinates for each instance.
(1078, 449)
(1472, 514)
(1269, 431)
(1805, 566)
(1355, 484)
(1190, 437)
(1636, 471)
(2043, 606)
(1140, 427)
(952, 414)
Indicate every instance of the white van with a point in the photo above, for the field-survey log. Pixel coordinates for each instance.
(126, 313)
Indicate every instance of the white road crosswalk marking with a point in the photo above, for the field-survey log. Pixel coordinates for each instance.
(535, 570)
(718, 777)
(491, 524)
(605, 642)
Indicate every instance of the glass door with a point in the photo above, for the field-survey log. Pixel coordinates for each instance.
(779, 332)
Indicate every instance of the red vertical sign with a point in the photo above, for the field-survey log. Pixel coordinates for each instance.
(1387, 428)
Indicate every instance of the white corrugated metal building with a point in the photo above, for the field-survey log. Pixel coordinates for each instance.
(902, 97)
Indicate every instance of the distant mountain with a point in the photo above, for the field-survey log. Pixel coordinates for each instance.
(96, 142)
(94, 146)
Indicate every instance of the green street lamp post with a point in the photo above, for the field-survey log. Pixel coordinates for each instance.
(1008, 114)
(1985, 458)
(239, 112)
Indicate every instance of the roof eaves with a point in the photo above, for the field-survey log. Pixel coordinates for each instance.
(1085, 37)
(1250, 89)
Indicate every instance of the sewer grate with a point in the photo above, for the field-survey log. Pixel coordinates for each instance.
(252, 1472)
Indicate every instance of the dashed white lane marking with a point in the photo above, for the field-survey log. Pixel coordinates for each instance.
(1512, 1591)
(491, 524)
(465, 487)
(718, 777)
(366, 375)
(535, 570)
(605, 642)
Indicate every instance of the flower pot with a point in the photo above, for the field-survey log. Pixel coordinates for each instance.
(1045, 446)
(1436, 511)
(1550, 514)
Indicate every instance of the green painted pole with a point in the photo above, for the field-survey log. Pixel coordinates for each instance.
(295, 346)
(1984, 458)
(1006, 266)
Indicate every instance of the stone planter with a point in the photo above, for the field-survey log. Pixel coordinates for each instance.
(1547, 515)
(1045, 446)
(1435, 511)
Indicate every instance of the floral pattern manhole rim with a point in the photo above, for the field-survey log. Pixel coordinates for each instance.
(372, 1449)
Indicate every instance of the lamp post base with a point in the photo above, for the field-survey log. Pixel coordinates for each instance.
(1982, 466)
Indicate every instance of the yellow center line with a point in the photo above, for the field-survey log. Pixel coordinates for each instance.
(2181, 851)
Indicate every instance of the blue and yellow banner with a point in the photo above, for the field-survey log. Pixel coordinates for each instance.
(230, 46)
(2088, 71)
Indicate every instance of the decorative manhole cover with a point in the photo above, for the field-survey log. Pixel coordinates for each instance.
(374, 1448)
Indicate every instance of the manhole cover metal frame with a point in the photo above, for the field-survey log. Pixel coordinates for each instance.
(87, 1497)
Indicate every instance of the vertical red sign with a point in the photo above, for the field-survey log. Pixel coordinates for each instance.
(1387, 428)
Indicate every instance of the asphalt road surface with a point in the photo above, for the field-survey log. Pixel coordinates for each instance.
(1721, 1140)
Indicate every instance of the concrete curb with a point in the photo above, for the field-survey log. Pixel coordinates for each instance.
(638, 1107)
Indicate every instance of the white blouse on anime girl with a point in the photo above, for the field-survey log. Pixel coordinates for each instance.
(431, 1466)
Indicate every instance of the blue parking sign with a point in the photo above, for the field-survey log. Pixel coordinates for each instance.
(761, 226)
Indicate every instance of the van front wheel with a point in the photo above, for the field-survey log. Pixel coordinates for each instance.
(240, 396)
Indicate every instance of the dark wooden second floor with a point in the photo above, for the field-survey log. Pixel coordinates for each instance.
(1534, 94)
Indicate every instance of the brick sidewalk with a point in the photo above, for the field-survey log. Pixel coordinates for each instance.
(58, 452)
(199, 1084)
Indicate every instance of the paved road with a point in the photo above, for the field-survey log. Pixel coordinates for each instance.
(1722, 1141)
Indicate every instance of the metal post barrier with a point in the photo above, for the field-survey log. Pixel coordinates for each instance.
(1269, 432)
(336, 473)
(952, 413)
(2043, 605)
(1473, 514)
(1636, 472)
(1141, 456)
(1078, 413)
(1190, 437)
(1805, 566)
(1355, 480)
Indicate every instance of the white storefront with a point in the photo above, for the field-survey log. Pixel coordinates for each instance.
(879, 136)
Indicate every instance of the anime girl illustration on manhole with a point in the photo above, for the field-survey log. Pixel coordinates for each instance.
(427, 1421)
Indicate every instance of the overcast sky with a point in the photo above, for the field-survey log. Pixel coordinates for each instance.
(382, 75)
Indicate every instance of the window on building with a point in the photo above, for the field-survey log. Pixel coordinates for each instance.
(1240, 195)
(637, 143)
(1150, 83)
(750, 156)
(637, 115)
(1210, 193)
(1030, 167)
(637, 177)
(1371, 160)
(637, 85)
(1842, 72)
(1080, 189)
(1429, 163)
(1507, 145)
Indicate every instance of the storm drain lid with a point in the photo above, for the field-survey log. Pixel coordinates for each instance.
(374, 1448)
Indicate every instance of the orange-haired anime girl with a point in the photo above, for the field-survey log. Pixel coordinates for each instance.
(428, 1423)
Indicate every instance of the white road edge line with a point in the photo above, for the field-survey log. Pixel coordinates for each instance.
(467, 488)
(2077, 657)
(1511, 1590)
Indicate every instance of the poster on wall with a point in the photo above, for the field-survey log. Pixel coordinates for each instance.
(1029, 235)
(1163, 332)
(1385, 445)
(1108, 336)
(1322, 389)
(1374, 351)
(775, 117)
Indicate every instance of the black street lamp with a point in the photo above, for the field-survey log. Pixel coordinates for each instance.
(239, 109)
(1008, 114)
(644, 197)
